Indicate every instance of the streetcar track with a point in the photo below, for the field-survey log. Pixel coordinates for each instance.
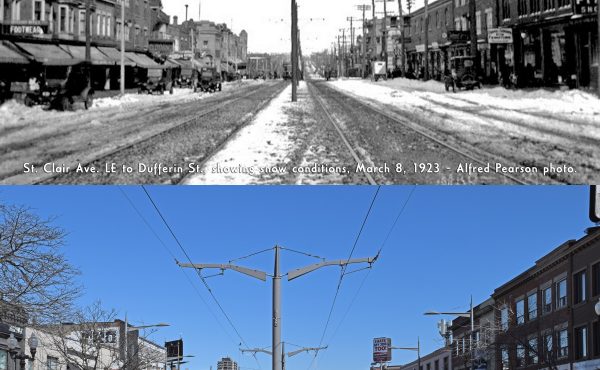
(471, 153)
(246, 120)
(88, 162)
(336, 125)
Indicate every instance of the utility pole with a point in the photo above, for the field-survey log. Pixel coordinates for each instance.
(598, 44)
(402, 45)
(374, 36)
(294, 58)
(473, 33)
(88, 36)
(364, 8)
(426, 76)
(276, 279)
(122, 47)
(344, 66)
(351, 42)
(384, 37)
(339, 58)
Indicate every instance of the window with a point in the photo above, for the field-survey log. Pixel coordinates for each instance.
(63, 19)
(504, 318)
(548, 345)
(51, 363)
(532, 306)
(436, 365)
(533, 351)
(3, 360)
(596, 338)
(504, 358)
(520, 305)
(520, 355)
(579, 288)
(16, 10)
(522, 8)
(547, 300)
(446, 16)
(564, 3)
(457, 24)
(445, 363)
(548, 5)
(38, 10)
(82, 22)
(596, 279)
(489, 19)
(581, 336)
(457, 3)
(478, 22)
(534, 6)
(505, 9)
(563, 343)
(561, 293)
(463, 22)
(108, 26)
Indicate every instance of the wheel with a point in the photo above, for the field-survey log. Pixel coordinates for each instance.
(171, 90)
(28, 101)
(220, 87)
(65, 104)
(89, 101)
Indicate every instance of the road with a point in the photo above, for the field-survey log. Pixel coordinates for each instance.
(251, 133)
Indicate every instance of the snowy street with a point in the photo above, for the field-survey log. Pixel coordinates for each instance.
(341, 131)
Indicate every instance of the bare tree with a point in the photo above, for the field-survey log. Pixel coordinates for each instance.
(94, 341)
(34, 274)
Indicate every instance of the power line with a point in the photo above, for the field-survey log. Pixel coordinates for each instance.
(197, 272)
(337, 291)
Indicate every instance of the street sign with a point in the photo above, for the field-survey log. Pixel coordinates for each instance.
(595, 203)
(174, 350)
(500, 36)
(382, 350)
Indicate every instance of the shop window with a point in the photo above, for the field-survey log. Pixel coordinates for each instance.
(3, 360)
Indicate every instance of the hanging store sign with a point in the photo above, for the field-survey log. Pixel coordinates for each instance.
(420, 48)
(595, 203)
(26, 28)
(382, 350)
(500, 36)
(586, 7)
(456, 36)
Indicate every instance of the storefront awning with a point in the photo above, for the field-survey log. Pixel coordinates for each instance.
(78, 52)
(115, 55)
(171, 63)
(9, 56)
(143, 61)
(48, 54)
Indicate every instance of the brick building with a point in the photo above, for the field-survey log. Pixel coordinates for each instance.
(436, 360)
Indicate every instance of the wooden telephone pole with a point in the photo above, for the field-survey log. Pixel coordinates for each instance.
(294, 56)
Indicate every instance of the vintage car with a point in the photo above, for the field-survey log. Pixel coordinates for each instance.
(188, 76)
(379, 71)
(158, 80)
(76, 88)
(209, 80)
(462, 74)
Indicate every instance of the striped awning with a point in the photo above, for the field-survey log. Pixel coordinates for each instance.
(143, 61)
(48, 54)
(10, 56)
(78, 52)
(114, 55)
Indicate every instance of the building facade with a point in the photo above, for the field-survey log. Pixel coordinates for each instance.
(13, 321)
(440, 359)
(546, 316)
(226, 363)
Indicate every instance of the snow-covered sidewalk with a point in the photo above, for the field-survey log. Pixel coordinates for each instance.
(539, 127)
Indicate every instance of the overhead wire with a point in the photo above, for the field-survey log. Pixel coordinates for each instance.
(337, 291)
(383, 244)
(197, 272)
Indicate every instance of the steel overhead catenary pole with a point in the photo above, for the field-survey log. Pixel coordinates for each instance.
(276, 279)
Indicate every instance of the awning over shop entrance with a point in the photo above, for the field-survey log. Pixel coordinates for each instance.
(114, 55)
(78, 52)
(48, 54)
(143, 61)
(9, 56)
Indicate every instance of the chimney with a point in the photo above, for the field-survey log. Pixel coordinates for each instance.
(175, 19)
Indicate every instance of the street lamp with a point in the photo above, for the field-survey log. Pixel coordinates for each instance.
(13, 345)
(463, 314)
(133, 328)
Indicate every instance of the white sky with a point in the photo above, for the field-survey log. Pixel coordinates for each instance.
(268, 21)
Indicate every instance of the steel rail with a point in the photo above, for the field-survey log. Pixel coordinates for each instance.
(422, 131)
(144, 139)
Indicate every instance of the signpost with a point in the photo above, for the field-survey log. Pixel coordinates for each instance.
(595, 203)
(500, 36)
(382, 350)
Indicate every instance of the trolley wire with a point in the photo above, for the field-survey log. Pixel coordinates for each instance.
(197, 272)
(337, 291)
(251, 255)
(383, 244)
(304, 253)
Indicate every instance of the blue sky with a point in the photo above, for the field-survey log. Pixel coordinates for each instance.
(449, 243)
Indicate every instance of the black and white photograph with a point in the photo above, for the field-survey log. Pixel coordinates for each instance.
(306, 92)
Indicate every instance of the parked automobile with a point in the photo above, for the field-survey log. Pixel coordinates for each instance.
(158, 80)
(76, 88)
(209, 80)
(462, 74)
(187, 77)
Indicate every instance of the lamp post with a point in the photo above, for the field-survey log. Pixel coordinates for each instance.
(133, 328)
(13, 346)
(472, 317)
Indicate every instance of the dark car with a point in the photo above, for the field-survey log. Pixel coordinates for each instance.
(462, 74)
(209, 80)
(158, 80)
